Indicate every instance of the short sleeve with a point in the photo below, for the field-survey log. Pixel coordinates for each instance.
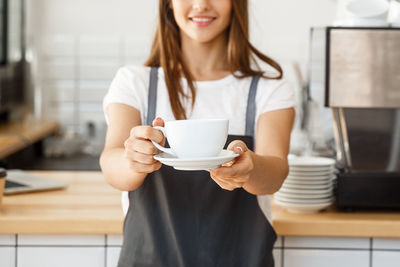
(274, 95)
(128, 87)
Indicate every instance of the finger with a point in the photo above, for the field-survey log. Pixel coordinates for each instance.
(229, 183)
(158, 122)
(143, 146)
(140, 157)
(145, 168)
(226, 172)
(228, 164)
(239, 180)
(237, 146)
(147, 132)
(223, 184)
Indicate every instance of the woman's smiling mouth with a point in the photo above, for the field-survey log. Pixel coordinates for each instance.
(202, 21)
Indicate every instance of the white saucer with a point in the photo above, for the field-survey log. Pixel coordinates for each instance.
(309, 187)
(295, 182)
(303, 208)
(288, 196)
(294, 200)
(305, 191)
(196, 164)
(308, 169)
(311, 162)
(309, 178)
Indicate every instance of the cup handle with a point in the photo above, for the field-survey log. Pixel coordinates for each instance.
(163, 149)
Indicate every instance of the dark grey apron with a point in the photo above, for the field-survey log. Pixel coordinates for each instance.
(183, 218)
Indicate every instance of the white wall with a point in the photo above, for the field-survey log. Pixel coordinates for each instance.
(80, 44)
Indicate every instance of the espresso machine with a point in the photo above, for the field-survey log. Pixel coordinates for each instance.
(355, 76)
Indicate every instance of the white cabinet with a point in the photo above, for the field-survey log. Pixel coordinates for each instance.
(104, 250)
(385, 258)
(325, 258)
(112, 256)
(61, 240)
(327, 242)
(277, 252)
(7, 250)
(386, 243)
(7, 256)
(114, 243)
(61, 256)
(61, 250)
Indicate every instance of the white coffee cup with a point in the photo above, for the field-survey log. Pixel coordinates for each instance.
(194, 138)
(368, 13)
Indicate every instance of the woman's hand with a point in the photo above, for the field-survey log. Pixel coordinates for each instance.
(236, 173)
(139, 149)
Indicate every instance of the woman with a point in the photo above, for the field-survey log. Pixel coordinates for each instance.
(201, 66)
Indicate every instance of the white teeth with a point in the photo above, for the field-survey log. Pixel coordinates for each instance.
(202, 19)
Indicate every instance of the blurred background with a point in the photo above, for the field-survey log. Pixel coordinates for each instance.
(58, 58)
(75, 48)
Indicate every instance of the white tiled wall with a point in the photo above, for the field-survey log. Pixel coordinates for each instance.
(81, 43)
(61, 256)
(325, 258)
(327, 242)
(7, 256)
(103, 251)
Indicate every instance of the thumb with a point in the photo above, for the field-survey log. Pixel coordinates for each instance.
(237, 146)
(158, 122)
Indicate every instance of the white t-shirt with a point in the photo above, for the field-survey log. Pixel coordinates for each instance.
(224, 98)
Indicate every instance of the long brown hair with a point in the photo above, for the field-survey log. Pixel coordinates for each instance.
(166, 53)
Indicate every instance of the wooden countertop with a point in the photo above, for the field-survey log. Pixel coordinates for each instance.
(90, 206)
(18, 135)
(10, 145)
(29, 130)
(87, 206)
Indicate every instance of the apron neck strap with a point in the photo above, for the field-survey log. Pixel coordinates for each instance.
(152, 98)
(251, 106)
(251, 103)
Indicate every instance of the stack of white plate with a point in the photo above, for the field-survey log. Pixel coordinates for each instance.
(309, 185)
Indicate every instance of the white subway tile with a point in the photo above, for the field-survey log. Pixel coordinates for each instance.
(59, 45)
(134, 60)
(96, 117)
(94, 84)
(278, 242)
(92, 95)
(62, 240)
(90, 107)
(61, 256)
(59, 91)
(113, 256)
(100, 45)
(8, 240)
(7, 257)
(386, 243)
(326, 242)
(136, 47)
(93, 90)
(98, 69)
(114, 240)
(277, 253)
(59, 68)
(325, 258)
(64, 112)
(385, 258)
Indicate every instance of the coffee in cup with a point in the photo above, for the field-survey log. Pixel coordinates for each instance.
(194, 138)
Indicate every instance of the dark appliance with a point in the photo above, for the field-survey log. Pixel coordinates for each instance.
(12, 58)
(359, 71)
